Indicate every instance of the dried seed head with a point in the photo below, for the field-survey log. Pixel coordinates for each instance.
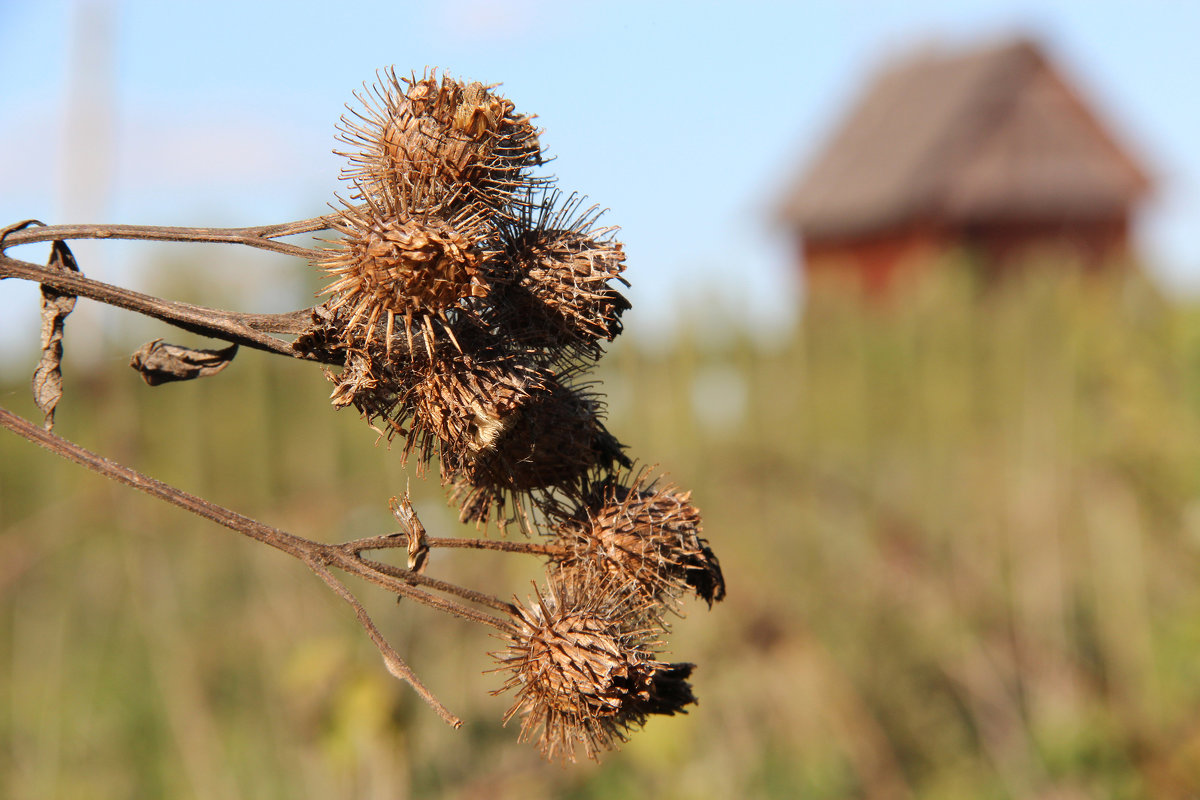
(584, 670)
(645, 538)
(557, 438)
(555, 277)
(463, 402)
(390, 264)
(464, 140)
(544, 452)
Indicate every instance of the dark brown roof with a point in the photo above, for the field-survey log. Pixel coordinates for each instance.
(988, 134)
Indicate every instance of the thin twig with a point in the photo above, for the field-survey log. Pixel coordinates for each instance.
(401, 583)
(260, 236)
(282, 540)
(391, 659)
(399, 539)
(418, 579)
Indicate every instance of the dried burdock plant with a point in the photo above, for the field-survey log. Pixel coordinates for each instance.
(465, 303)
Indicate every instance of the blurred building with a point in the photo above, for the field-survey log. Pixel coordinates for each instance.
(990, 153)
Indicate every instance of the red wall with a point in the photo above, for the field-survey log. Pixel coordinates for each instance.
(876, 264)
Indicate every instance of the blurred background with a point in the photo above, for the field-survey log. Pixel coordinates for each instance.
(914, 319)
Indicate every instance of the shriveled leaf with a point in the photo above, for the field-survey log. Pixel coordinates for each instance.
(47, 378)
(418, 545)
(159, 362)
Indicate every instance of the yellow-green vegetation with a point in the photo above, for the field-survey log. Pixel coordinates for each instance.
(960, 531)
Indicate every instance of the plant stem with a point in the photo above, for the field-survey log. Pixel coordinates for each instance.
(250, 330)
(400, 539)
(442, 586)
(391, 659)
(282, 540)
(339, 555)
(260, 236)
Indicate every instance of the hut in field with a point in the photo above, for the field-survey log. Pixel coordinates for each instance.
(988, 153)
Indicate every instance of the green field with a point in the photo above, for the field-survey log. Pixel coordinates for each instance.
(960, 531)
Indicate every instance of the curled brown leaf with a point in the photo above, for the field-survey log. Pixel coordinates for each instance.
(47, 377)
(160, 362)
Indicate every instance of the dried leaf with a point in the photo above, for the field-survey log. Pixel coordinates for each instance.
(418, 547)
(159, 362)
(47, 378)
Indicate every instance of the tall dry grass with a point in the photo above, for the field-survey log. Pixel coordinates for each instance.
(961, 536)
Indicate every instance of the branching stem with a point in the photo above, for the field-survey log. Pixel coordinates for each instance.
(317, 555)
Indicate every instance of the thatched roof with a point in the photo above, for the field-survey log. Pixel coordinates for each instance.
(983, 135)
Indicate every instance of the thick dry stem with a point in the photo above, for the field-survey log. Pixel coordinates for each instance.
(250, 330)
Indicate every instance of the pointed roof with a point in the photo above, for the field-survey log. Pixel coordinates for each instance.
(990, 133)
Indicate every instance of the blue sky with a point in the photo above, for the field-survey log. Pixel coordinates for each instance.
(686, 120)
